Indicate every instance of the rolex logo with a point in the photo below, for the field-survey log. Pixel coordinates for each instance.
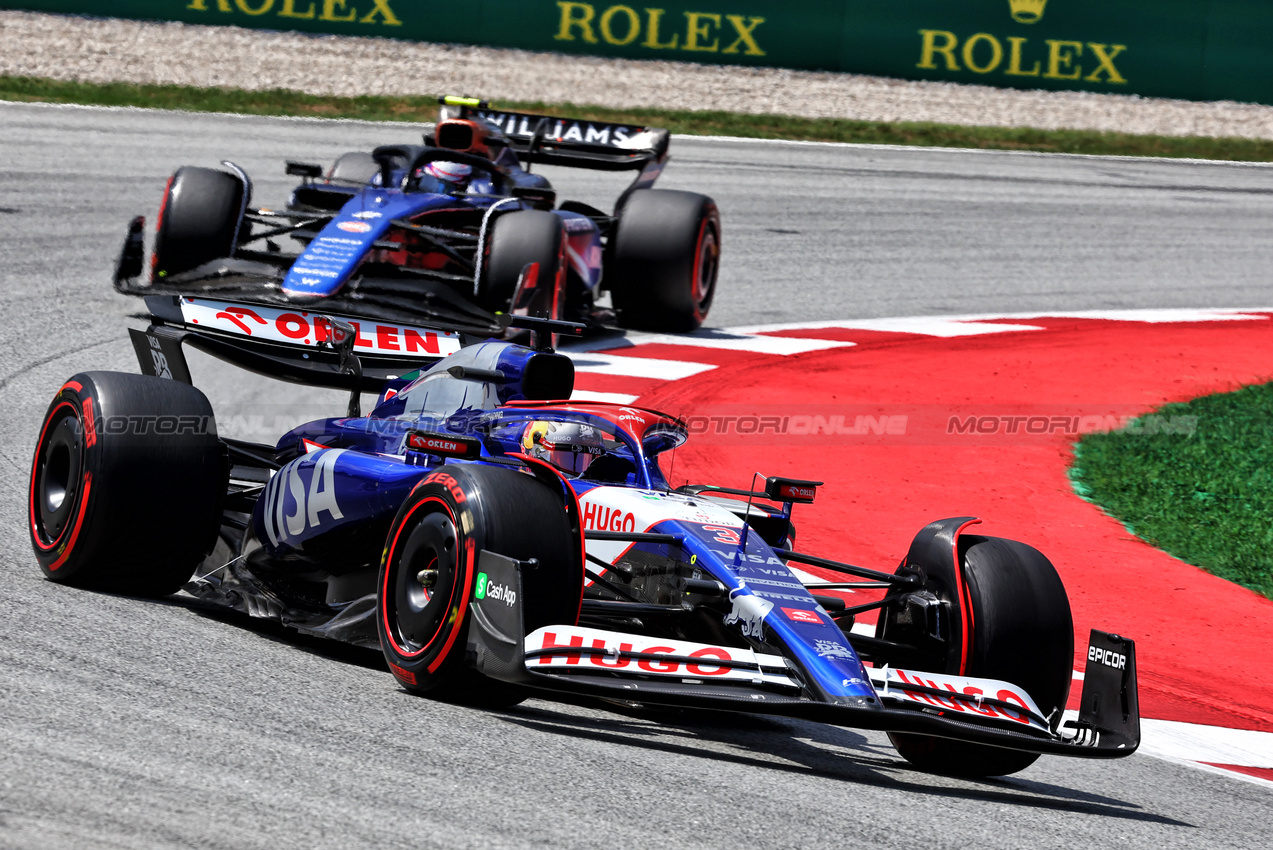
(1027, 11)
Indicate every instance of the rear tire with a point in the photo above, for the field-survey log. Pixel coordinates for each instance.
(198, 220)
(1021, 632)
(444, 525)
(664, 260)
(517, 239)
(126, 484)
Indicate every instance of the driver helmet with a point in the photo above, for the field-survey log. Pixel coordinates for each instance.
(569, 446)
(453, 176)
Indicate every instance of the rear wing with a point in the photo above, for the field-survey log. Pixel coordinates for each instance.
(573, 142)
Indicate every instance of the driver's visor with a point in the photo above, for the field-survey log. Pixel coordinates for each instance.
(570, 457)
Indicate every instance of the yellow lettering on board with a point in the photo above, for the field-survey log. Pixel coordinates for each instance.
(570, 21)
(697, 26)
(607, 25)
(1014, 59)
(652, 32)
(265, 6)
(744, 30)
(1058, 57)
(329, 11)
(381, 8)
(1105, 55)
(930, 48)
(289, 11)
(996, 53)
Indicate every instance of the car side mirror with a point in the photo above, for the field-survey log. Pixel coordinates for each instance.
(304, 169)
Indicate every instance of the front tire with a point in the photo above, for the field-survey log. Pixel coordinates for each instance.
(664, 261)
(126, 484)
(1020, 631)
(443, 526)
(516, 240)
(198, 220)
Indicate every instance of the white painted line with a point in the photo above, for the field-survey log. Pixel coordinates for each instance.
(1194, 742)
(938, 326)
(636, 367)
(726, 340)
(909, 324)
(1166, 316)
(805, 578)
(1220, 771)
(613, 398)
(685, 137)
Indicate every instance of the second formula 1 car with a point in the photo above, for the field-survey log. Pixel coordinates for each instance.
(457, 230)
(497, 540)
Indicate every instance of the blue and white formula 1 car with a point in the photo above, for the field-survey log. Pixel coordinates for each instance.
(457, 231)
(498, 541)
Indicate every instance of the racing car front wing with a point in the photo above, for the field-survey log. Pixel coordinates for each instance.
(638, 668)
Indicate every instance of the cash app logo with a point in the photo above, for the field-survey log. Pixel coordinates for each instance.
(481, 585)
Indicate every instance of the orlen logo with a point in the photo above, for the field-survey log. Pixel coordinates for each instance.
(487, 589)
(1106, 657)
(433, 444)
(791, 491)
(354, 226)
(801, 615)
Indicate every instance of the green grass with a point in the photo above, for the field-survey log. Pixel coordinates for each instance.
(421, 108)
(1206, 498)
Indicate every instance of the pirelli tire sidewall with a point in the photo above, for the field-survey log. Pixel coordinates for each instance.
(127, 481)
(1020, 630)
(423, 633)
(663, 260)
(198, 222)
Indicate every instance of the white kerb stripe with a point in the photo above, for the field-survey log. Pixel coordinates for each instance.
(612, 398)
(910, 323)
(718, 339)
(1215, 744)
(636, 367)
(939, 326)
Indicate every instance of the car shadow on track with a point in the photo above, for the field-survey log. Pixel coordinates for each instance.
(774, 743)
(808, 749)
(276, 632)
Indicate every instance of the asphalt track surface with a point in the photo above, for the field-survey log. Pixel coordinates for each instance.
(133, 723)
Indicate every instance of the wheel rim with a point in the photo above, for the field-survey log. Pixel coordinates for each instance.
(706, 262)
(58, 476)
(419, 613)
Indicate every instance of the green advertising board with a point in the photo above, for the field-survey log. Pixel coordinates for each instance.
(1193, 49)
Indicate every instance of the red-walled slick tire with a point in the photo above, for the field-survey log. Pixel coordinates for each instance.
(1010, 603)
(126, 484)
(664, 259)
(199, 220)
(446, 522)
